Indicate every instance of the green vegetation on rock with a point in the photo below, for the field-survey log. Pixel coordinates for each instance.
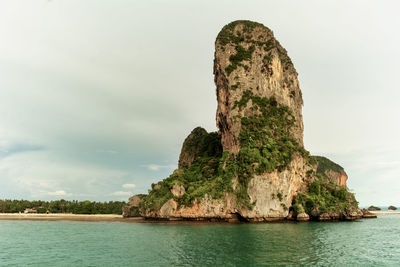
(324, 196)
(267, 43)
(241, 55)
(157, 197)
(199, 144)
(265, 140)
(265, 135)
(266, 145)
(227, 34)
(325, 164)
(202, 177)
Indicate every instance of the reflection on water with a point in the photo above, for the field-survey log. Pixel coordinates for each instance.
(366, 243)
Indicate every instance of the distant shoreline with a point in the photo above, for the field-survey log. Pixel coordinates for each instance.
(384, 212)
(67, 217)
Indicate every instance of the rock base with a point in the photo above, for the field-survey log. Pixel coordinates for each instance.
(368, 215)
(302, 217)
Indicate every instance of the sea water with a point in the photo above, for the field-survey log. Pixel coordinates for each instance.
(368, 242)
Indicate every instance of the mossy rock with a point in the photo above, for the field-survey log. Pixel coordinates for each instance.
(199, 143)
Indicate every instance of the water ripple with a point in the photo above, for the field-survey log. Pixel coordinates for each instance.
(364, 243)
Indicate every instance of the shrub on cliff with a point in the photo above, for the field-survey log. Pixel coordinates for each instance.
(325, 196)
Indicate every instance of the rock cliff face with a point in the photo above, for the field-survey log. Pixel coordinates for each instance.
(132, 209)
(248, 58)
(332, 171)
(255, 168)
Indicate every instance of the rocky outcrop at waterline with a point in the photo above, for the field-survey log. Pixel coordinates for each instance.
(367, 214)
(373, 208)
(132, 209)
(255, 168)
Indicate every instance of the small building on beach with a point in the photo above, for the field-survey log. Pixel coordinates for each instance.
(30, 210)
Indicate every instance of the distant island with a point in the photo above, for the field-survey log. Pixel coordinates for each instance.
(255, 168)
(373, 208)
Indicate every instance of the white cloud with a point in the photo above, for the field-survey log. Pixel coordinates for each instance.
(127, 186)
(43, 175)
(122, 193)
(156, 167)
(59, 193)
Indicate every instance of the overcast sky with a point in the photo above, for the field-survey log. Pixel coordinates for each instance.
(96, 97)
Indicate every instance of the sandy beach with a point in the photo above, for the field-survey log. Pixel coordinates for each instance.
(385, 212)
(67, 217)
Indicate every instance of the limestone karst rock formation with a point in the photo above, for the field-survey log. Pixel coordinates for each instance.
(256, 167)
(248, 59)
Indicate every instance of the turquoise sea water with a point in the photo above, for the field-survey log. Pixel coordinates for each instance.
(373, 242)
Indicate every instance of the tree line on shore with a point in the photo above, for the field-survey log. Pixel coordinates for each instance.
(62, 206)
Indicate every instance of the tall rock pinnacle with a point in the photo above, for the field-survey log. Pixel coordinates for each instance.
(248, 59)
